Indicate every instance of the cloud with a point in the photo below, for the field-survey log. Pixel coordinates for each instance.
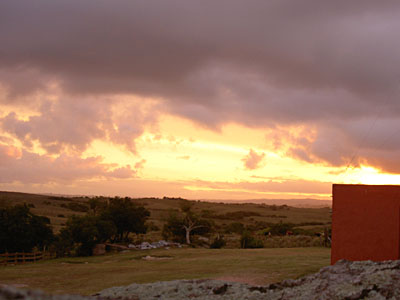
(253, 160)
(67, 124)
(331, 66)
(31, 168)
(184, 157)
(140, 164)
(271, 186)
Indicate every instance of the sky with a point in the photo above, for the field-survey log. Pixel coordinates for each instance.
(223, 99)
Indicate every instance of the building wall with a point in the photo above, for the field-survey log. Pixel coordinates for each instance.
(365, 222)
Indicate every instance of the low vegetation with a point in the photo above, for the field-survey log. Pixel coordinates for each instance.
(79, 223)
(85, 275)
(213, 234)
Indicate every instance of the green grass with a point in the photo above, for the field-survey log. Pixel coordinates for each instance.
(88, 275)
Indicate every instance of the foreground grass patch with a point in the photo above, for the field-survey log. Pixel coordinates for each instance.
(91, 274)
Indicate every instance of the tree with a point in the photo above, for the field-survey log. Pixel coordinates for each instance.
(126, 216)
(113, 221)
(84, 232)
(96, 205)
(21, 230)
(182, 226)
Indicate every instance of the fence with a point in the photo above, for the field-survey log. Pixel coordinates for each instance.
(22, 257)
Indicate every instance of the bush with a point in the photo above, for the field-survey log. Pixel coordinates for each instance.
(237, 215)
(152, 227)
(76, 206)
(235, 227)
(293, 241)
(280, 228)
(218, 242)
(248, 241)
(206, 213)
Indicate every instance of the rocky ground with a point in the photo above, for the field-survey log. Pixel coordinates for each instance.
(345, 280)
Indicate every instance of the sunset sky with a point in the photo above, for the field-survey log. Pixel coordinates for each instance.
(202, 99)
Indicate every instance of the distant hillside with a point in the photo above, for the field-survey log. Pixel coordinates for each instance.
(306, 203)
(251, 213)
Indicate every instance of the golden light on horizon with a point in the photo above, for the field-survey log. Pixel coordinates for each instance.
(371, 175)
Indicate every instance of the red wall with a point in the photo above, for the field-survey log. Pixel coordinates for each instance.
(365, 222)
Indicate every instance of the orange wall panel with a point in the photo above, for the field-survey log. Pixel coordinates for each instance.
(365, 222)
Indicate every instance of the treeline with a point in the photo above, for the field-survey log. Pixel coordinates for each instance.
(112, 220)
(119, 220)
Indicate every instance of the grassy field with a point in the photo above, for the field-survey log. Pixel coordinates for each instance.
(88, 275)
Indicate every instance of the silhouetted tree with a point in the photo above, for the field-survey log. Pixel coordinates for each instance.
(186, 224)
(21, 230)
(83, 233)
(126, 216)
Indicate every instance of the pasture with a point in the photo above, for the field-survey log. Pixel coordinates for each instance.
(88, 275)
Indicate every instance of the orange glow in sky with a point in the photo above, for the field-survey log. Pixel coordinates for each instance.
(191, 103)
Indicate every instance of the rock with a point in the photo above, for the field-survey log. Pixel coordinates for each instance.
(154, 245)
(344, 280)
(146, 246)
(220, 290)
(11, 293)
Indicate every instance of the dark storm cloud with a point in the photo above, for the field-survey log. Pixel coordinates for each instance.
(262, 63)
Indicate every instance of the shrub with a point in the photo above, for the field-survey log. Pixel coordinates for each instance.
(218, 242)
(76, 206)
(280, 228)
(152, 227)
(206, 213)
(293, 241)
(248, 241)
(237, 215)
(235, 227)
